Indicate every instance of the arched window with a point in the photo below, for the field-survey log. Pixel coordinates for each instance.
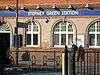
(6, 32)
(33, 35)
(4, 26)
(94, 34)
(63, 34)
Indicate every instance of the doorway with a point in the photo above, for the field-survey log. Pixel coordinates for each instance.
(5, 40)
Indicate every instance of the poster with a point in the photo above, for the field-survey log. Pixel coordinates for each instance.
(80, 40)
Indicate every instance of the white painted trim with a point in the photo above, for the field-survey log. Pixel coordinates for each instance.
(62, 46)
(32, 45)
(5, 31)
(31, 33)
(64, 32)
(95, 33)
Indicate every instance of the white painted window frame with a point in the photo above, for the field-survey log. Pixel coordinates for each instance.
(95, 33)
(64, 32)
(34, 32)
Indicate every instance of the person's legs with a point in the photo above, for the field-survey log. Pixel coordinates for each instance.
(82, 57)
(78, 57)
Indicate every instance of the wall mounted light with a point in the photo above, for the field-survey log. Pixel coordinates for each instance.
(24, 8)
(2, 21)
(47, 20)
(65, 19)
(33, 20)
(39, 8)
(71, 7)
(9, 8)
(54, 7)
(88, 6)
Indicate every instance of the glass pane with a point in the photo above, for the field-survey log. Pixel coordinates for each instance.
(98, 39)
(29, 28)
(63, 26)
(98, 27)
(91, 39)
(57, 27)
(92, 28)
(35, 39)
(70, 29)
(70, 39)
(63, 39)
(56, 39)
(28, 39)
(35, 27)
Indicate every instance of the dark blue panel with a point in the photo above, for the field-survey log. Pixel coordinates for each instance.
(7, 13)
(53, 13)
(17, 42)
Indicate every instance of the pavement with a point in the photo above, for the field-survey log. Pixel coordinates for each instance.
(37, 73)
(31, 71)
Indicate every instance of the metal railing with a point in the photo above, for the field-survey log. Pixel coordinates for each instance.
(85, 63)
(39, 60)
(88, 64)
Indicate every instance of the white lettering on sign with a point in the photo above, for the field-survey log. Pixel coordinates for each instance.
(69, 13)
(52, 13)
(35, 13)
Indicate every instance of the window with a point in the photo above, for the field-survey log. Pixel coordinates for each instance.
(56, 39)
(92, 39)
(4, 26)
(63, 34)
(32, 34)
(94, 34)
(63, 39)
(28, 39)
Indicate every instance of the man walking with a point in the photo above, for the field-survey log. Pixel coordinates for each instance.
(81, 53)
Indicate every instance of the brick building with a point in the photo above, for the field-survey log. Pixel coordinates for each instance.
(49, 25)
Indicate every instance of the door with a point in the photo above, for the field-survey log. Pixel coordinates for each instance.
(5, 40)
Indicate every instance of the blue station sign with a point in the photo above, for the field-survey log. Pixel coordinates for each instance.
(53, 13)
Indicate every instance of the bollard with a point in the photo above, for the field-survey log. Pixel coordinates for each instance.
(73, 63)
(63, 64)
(54, 61)
(66, 60)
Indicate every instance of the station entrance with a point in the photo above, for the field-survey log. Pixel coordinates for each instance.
(5, 40)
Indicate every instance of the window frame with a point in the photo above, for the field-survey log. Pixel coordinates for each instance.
(95, 33)
(64, 32)
(33, 32)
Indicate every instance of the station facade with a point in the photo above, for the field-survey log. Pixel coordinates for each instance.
(50, 29)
